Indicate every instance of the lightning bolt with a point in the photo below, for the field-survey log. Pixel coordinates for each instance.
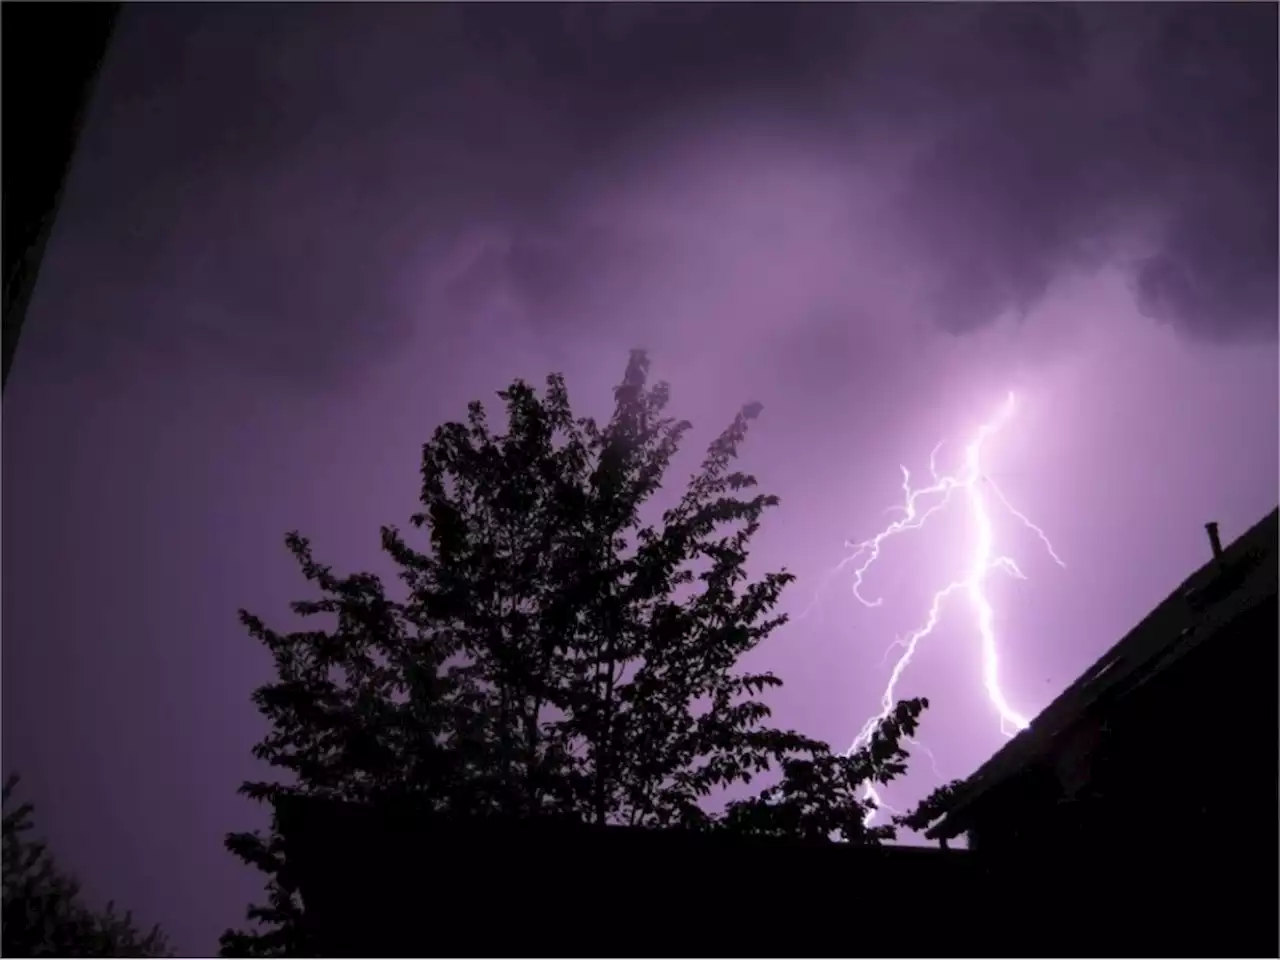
(919, 504)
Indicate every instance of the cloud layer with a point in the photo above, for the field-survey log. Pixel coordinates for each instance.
(278, 194)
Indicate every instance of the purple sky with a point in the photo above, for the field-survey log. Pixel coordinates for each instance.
(298, 237)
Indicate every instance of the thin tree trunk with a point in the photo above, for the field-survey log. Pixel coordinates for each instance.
(534, 795)
(604, 753)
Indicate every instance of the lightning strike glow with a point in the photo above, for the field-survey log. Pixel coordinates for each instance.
(970, 482)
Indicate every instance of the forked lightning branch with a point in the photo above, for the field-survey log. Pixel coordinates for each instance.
(969, 489)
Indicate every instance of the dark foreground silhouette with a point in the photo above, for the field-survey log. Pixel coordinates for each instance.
(515, 758)
(44, 915)
(51, 57)
(388, 881)
(559, 649)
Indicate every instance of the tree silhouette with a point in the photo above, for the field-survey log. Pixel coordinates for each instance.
(932, 808)
(818, 796)
(43, 913)
(557, 652)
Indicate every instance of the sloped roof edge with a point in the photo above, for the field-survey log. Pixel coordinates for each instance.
(1177, 619)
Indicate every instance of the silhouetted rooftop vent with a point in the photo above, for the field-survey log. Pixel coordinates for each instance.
(1214, 540)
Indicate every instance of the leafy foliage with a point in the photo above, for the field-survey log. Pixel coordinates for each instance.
(43, 912)
(557, 652)
(818, 796)
(352, 714)
(932, 808)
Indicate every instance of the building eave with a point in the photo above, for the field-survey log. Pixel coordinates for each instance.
(1167, 633)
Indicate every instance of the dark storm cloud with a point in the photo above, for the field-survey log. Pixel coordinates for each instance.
(328, 153)
(617, 66)
(1103, 117)
(1054, 137)
(1096, 120)
(1213, 83)
(258, 178)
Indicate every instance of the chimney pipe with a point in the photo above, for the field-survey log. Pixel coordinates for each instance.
(1214, 540)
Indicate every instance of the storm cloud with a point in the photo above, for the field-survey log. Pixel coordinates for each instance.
(554, 162)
